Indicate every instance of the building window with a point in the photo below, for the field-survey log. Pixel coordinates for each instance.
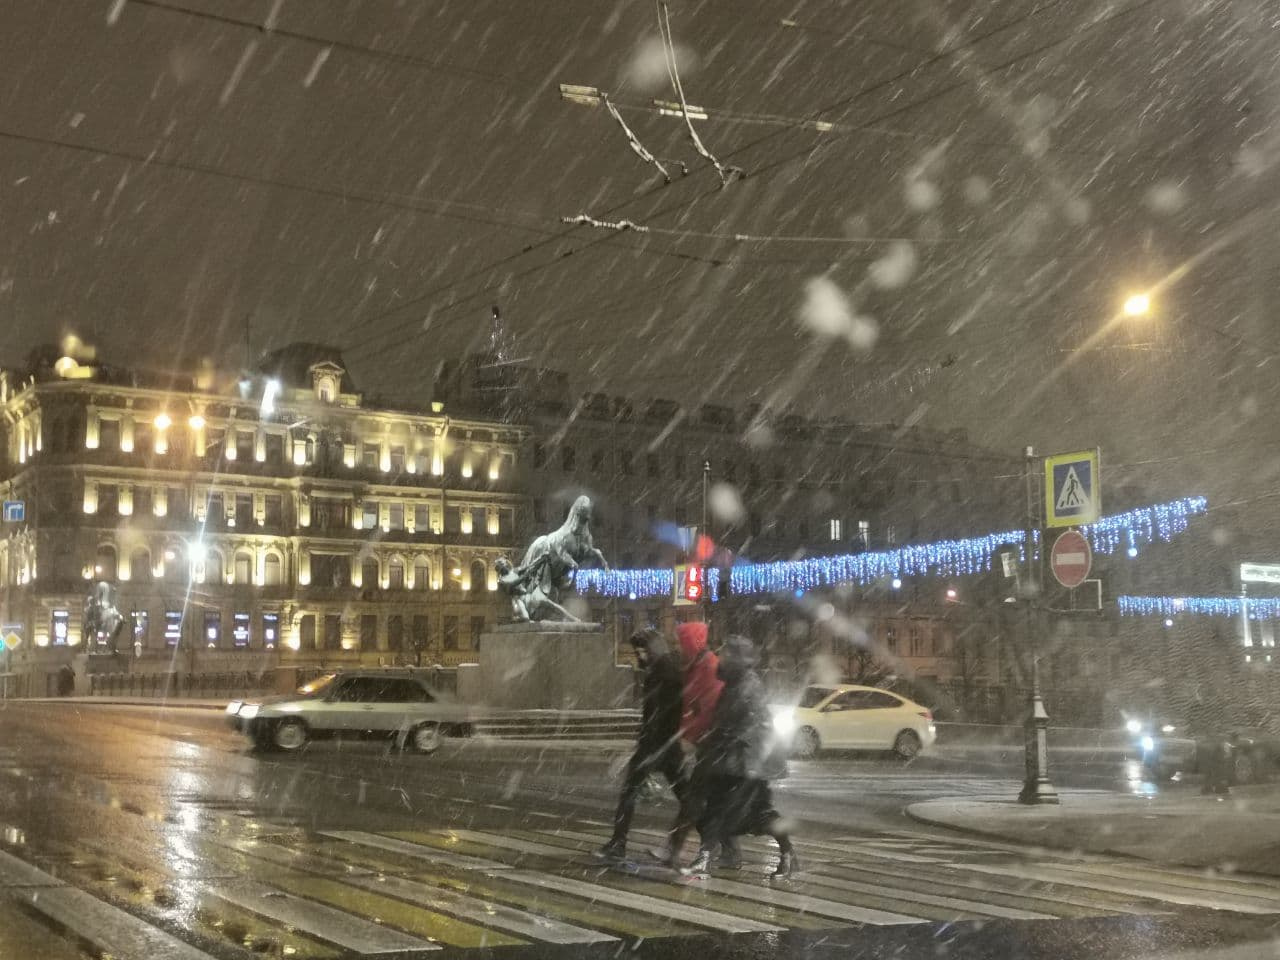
(369, 573)
(568, 459)
(212, 567)
(330, 569)
(368, 631)
(421, 632)
(395, 632)
(142, 501)
(890, 533)
(422, 518)
(275, 449)
(834, 528)
(396, 516)
(60, 627)
(891, 639)
(597, 462)
(240, 630)
(270, 630)
(477, 629)
(140, 565)
(273, 511)
(244, 446)
(104, 563)
(421, 574)
(397, 459)
(369, 454)
(172, 628)
(212, 628)
(141, 628)
(333, 631)
(369, 515)
(108, 499)
(864, 533)
(244, 569)
(395, 575)
(244, 510)
(109, 435)
(477, 575)
(451, 633)
(272, 570)
(917, 641)
(307, 632)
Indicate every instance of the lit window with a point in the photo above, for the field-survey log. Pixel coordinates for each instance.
(837, 533)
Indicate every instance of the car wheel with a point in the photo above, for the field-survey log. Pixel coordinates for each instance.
(290, 735)
(806, 744)
(425, 738)
(907, 744)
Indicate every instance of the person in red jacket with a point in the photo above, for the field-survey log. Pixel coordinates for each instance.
(702, 689)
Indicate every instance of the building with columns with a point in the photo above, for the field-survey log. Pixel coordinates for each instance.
(277, 512)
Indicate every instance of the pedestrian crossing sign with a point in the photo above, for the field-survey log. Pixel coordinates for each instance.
(1073, 495)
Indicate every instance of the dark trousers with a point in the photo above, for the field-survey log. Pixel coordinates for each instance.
(737, 805)
(666, 759)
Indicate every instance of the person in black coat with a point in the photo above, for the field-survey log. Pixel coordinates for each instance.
(658, 747)
(742, 754)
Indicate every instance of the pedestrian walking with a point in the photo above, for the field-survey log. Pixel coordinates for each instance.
(658, 747)
(740, 756)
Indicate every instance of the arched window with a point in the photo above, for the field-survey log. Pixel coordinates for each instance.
(272, 573)
(140, 565)
(395, 574)
(421, 573)
(369, 573)
(244, 568)
(104, 563)
(213, 567)
(478, 575)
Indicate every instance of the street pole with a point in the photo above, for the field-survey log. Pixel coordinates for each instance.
(704, 532)
(1036, 788)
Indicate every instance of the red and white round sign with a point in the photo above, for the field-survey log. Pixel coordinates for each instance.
(1071, 559)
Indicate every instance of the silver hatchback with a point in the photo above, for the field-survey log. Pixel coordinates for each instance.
(356, 703)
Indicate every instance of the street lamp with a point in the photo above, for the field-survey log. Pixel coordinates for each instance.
(1137, 305)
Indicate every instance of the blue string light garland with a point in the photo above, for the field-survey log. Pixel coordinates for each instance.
(1260, 608)
(942, 558)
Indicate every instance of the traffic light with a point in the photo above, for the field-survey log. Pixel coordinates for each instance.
(693, 584)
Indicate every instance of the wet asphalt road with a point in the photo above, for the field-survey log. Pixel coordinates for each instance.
(123, 825)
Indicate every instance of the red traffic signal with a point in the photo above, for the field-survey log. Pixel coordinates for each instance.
(693, 584)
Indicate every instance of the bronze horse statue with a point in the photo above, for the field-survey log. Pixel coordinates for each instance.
(553, 558)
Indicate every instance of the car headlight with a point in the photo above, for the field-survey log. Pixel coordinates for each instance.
(1134, 726)
(233, 708)
(1168, 728)
(784, 723)
(1148, 744)
(248, 711)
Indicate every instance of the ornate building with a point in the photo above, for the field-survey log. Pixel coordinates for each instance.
(278, 512)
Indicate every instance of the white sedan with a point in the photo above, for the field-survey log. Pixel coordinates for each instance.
(855, 718)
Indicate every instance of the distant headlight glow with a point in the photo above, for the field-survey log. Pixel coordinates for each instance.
(784, 723)
(1133, 726)
(1168, 728)
(1148, 744)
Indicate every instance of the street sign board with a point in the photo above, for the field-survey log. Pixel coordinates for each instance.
(11, 635)
(1260, 573)
(15, 511)
(1072, 491)
(1070, 559)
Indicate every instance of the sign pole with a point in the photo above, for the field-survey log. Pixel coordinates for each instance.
(1036, 788)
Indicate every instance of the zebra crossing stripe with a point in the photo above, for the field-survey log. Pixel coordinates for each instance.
(1147, 891)
(108, 928)
(481, 911)
(509, 843)
(970, 907)
(318, 920)
(419, 851)
(295, 859)
(1178, 878)
(708, 919)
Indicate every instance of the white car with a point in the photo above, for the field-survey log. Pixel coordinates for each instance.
(356, 703)
(855, 718)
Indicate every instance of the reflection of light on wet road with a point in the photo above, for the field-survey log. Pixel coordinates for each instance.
(1136, 778)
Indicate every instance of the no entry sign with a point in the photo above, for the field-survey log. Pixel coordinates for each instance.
(1071, 559)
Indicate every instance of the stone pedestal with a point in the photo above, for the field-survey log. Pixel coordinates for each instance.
(546, 666)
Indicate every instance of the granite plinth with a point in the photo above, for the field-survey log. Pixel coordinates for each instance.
(547, 666)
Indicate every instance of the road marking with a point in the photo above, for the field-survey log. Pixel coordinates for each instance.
(636, 901)
(510, 843)
(489, 914)
(971, 907)
(108, 928)
(1093, 881)
(318, 920)
(419, 851)
(295, 859)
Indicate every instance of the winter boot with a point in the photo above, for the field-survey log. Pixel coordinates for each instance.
(730, 855)
(615, 851)
(701, 865)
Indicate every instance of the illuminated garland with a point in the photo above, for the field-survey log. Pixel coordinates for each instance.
(942, 558)
(1260, 608)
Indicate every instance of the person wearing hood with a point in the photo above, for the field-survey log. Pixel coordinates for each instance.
(658, 745)
(741, 754)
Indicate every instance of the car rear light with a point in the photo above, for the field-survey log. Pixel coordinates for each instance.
(927, 714)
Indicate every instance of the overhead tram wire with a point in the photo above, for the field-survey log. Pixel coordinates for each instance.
(399, 328)
(427, 206)
(263, 29)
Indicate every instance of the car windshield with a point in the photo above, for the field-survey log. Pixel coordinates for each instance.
(901, 376)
